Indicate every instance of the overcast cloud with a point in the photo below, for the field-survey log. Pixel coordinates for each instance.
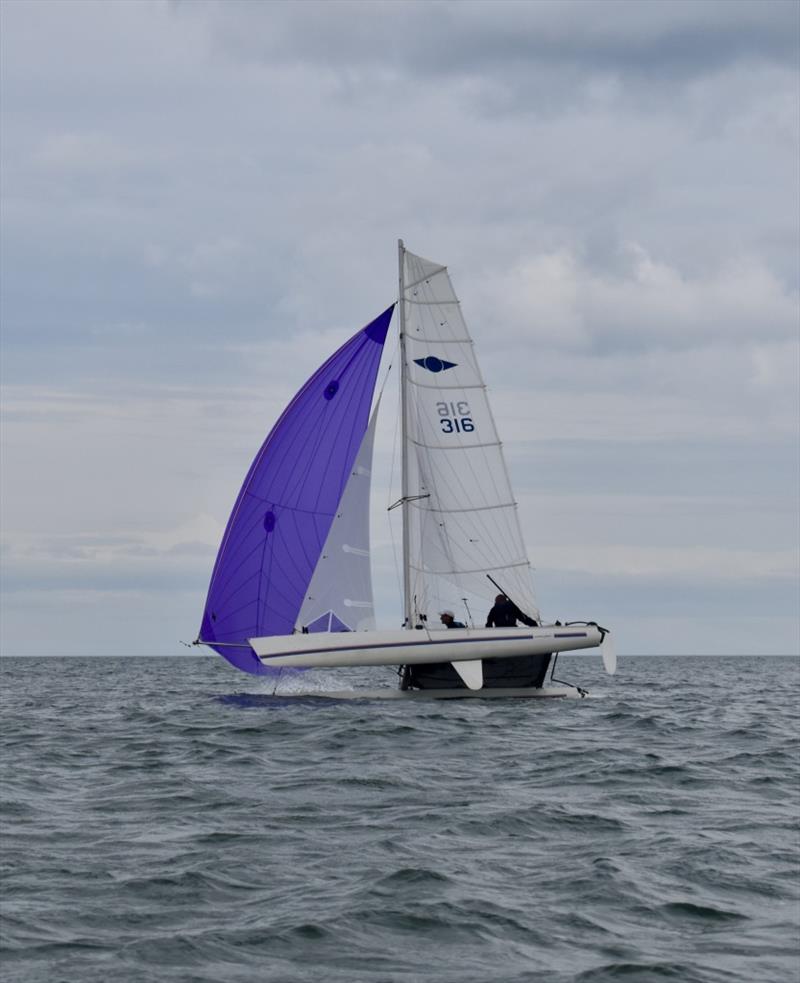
(202, 199)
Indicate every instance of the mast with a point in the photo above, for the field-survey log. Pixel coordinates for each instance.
(407, 612)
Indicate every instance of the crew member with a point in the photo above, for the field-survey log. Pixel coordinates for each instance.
(447, 618)
(505, 614)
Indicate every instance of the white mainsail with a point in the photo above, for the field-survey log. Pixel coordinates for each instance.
(461, 514)
(339, 596)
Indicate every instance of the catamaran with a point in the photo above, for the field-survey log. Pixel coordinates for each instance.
(292, 587)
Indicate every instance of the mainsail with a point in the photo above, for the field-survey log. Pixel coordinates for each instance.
(284, 511)
(461, 513)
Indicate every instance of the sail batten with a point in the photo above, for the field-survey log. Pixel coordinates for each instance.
(289, 499)
(478, 570)
(419, 443)
(474, 508)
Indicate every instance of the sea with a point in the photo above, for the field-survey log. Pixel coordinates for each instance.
(169, 819)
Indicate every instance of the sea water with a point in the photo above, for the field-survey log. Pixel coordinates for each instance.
(171, 819)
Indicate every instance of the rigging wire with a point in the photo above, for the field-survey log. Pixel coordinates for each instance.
(397, 571)
(388, 370)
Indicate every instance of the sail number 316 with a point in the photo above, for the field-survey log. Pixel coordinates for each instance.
(455, 417)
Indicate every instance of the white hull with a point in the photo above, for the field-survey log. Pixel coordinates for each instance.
(423, 647)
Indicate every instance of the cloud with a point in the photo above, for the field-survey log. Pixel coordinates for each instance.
(212, 268)
(444, 37)
(685, 564)
(645, 304)
(201, 200)
(88, 152)
(102, 563)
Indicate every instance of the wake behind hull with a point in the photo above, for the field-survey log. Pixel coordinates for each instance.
(391, 648)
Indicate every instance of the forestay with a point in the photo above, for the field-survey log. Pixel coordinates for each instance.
(462, 515)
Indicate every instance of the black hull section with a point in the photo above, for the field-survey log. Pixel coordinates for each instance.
(523, 671)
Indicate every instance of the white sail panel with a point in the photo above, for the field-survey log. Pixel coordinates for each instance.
(339, 596)
(463, 521)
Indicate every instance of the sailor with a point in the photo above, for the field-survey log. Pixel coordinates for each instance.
(447, 618)
(505, 614)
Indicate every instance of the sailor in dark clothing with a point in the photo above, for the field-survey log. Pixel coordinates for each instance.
(505, 614)
(447, 618)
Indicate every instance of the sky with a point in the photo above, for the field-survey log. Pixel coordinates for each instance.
(201, 201)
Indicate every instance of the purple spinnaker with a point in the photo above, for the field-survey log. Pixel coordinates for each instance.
(288, 501)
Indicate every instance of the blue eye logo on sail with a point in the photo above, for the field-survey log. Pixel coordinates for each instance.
(434, 364)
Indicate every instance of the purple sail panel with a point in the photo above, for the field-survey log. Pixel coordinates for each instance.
(287, 503)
